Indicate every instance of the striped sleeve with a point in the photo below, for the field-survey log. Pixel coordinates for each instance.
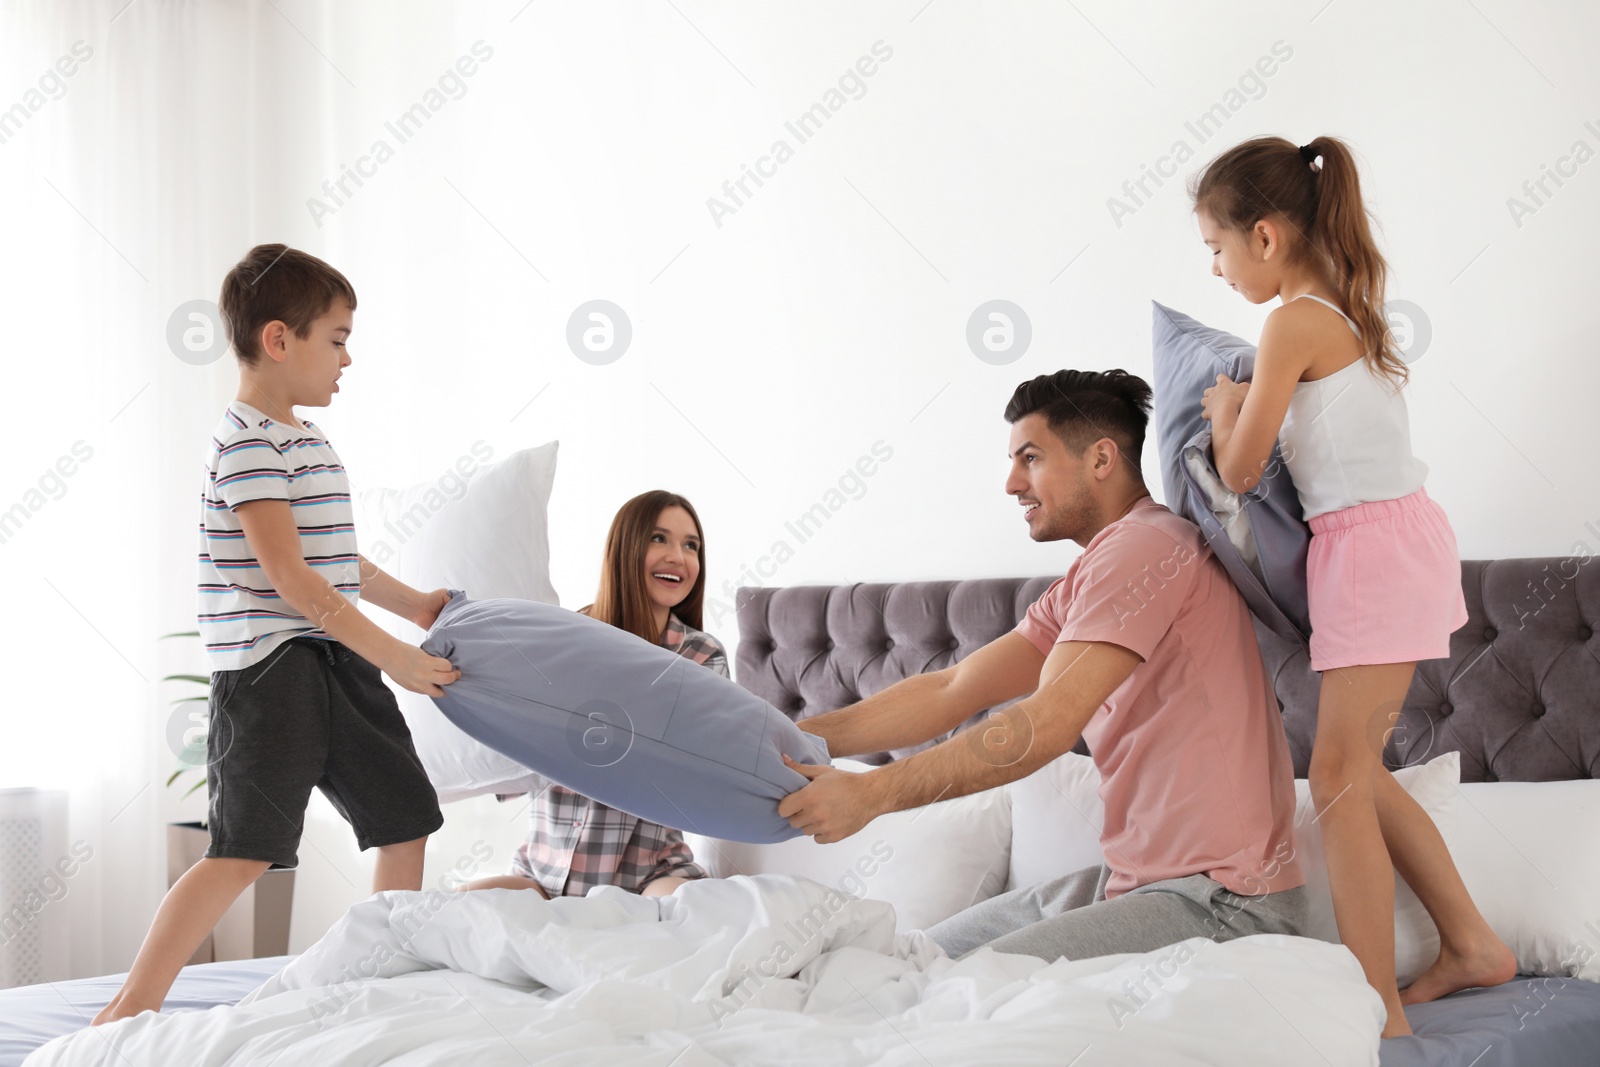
(249, 468)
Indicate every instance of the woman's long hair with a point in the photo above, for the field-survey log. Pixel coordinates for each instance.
(1268, 178)
(622, 599)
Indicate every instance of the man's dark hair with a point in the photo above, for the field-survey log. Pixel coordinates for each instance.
(1082, 406)
(276, 283)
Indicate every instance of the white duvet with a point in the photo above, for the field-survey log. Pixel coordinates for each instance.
(762, 970)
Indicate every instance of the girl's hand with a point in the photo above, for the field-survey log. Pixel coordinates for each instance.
(1223, 399)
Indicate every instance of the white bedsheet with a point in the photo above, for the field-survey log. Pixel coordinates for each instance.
(764, 970)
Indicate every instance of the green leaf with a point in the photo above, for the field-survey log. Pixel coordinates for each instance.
(198, 679)
(198, 785)
(173, 777)
(184, 633)
(190, 700)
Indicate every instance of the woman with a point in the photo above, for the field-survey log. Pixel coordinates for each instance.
(652, 584)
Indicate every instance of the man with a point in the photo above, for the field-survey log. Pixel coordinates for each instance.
(1146, 650)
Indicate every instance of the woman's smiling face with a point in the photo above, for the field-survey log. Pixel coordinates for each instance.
(672, 560)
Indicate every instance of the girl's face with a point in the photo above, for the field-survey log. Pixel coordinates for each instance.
(1249, 262)
(672, 559)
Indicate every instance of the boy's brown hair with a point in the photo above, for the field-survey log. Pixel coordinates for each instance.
(276, 283)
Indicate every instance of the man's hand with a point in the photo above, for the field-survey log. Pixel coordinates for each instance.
(833, 806)
(413, 669)
(428, 608)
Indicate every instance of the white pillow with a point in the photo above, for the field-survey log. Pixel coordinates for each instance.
(1057, 814)
(928, 862)
(1056, 817)
(1529, 853)
(1416, 940)
(482, 529)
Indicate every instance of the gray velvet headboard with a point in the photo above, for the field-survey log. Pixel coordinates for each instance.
(1519, 696)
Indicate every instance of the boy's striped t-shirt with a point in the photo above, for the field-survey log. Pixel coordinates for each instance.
(253, 457)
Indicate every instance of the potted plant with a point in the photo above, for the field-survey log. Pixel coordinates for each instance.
(257, 924)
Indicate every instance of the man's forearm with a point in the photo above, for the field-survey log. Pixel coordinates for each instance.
(1077, 679)
(917, 709)
(1004, 747)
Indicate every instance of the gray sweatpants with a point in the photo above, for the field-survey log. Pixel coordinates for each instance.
(1071, 918)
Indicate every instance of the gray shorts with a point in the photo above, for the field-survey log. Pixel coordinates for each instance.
(1070, 917)
(312, 714)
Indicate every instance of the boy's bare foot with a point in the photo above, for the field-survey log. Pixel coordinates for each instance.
(121, 1008)
(1487, 964)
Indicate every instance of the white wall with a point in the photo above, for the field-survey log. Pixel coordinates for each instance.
(775, 350)
(828, 312)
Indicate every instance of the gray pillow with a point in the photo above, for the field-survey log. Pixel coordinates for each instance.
(1260, 537)
(616, 718)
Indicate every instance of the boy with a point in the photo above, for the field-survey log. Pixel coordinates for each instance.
(296, 698)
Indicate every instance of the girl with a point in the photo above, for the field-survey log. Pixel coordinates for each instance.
(1383, 577)
(652, 583)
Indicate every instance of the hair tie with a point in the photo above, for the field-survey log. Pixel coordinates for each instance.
(1308, 154)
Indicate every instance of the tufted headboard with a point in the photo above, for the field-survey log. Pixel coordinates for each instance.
(809, 649)
(1519, 696)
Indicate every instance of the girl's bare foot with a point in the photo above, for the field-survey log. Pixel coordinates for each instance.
(1397, 1025)
(1486, 964)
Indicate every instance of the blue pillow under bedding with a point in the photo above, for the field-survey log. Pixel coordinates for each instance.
(623, 721)
(1260, 537)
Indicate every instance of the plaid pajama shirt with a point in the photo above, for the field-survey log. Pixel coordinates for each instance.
(575, 843)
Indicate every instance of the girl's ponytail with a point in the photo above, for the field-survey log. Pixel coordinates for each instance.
(1340, 232)
(1270, 177)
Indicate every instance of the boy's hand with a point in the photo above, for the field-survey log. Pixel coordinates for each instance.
(413, 669)
(428, 610)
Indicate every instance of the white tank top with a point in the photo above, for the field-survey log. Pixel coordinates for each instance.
(1346, 438)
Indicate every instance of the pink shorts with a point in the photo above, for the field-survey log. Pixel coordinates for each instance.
(1383, 583)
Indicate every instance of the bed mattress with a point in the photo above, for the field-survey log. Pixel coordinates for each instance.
(32, 1015)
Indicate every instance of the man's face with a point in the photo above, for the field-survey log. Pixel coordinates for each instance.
(1050, 482)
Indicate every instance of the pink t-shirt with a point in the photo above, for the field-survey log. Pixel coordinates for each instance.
(1196, 774)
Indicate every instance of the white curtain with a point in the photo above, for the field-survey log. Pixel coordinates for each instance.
(152, 143)
(142, 143)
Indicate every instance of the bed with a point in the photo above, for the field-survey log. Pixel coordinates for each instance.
(1515, 700)
(32, 1015)
(1518, 699)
